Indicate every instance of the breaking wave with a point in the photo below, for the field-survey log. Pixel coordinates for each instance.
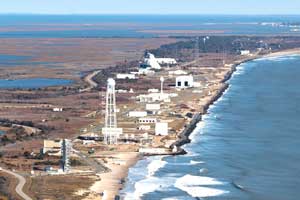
(196, 186)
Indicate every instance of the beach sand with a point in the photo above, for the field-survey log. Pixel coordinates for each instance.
(109, 184)
(283, 53)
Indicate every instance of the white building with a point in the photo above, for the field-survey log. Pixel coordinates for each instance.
(156, 97)
(183, 82)
(153, 107)
(125, 76)
(153, 90)
(166, 61)
(145, 71)
(245, 52)
(161, 128)
(144, 127)
(57, 109)
(52, 147)
(137, 114)
(154, 63)
(153, 97)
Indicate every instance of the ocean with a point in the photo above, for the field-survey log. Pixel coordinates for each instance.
(246, 147)
(33, 83)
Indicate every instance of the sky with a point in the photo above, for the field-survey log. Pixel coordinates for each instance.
(249, 7)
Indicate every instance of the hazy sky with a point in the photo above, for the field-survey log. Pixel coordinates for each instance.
(151, 6)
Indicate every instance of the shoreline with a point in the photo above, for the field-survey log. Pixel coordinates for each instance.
(196, 119)
(184, 135)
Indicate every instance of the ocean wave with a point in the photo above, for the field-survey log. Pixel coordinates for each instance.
(154, 166)
(194, 162)
(174, 198)
(196, 186)
(149, 183)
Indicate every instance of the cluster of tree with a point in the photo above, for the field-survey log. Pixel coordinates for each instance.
(10, 123)
(186, 50)
(122, 67)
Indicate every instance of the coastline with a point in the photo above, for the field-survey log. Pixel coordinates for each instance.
(109, 185)
(184, 135)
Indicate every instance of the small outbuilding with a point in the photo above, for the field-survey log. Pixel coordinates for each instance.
(125, 76)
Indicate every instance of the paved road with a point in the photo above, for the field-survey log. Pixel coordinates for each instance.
(19, 188)
(89, 80)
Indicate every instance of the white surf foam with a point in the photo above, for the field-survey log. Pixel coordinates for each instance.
(154, 166)
(150, 183)
(190, 180)
(203, 191)
(194, 162)
(195, 186)
(203, 170)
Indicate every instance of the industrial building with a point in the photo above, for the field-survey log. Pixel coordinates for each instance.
(183, 82)
(156, 96)
(153, 108)
(245, 52)
(153, 97)
(52, 147)
(161, 128)
(150, 61)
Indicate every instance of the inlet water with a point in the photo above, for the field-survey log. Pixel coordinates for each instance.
(250, 151)
(32, 83)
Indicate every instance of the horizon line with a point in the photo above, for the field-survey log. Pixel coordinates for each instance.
(153, 14)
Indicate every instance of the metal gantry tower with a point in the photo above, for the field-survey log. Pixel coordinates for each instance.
(110, 129)
(66, 151)
(162, 85)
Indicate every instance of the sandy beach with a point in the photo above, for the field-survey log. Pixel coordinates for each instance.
(109, 184)
(284, 53)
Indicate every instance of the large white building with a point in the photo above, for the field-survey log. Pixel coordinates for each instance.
(161, 128)
(150, 61)
(183, 82)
